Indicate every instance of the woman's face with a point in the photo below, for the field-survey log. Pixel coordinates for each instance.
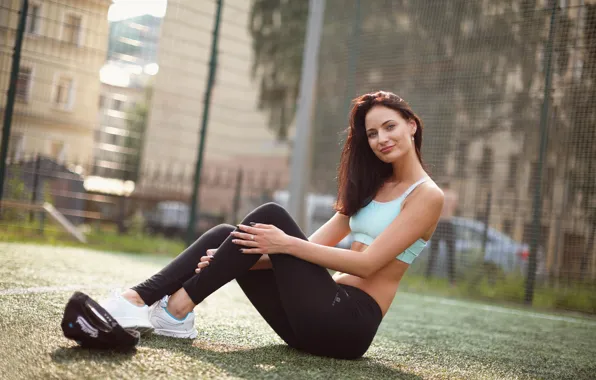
(389, 134)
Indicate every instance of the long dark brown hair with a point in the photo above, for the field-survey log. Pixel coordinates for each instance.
(361, 173)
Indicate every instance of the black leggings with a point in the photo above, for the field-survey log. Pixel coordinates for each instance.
(298, 299)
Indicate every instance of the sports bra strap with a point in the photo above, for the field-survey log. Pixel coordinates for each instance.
(414, 186)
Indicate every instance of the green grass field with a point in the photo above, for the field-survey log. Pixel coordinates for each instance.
(421, 337)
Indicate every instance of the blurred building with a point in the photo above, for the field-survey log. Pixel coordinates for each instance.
(506, 167)
(65, 44)
(125, 90)
(122, 119)
(134, 40)
(237, 135)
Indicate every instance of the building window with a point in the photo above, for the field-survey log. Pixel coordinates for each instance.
(462, 158)
(57, 150)
(117, 106)
(508, 227)
(485, 169)
(72, 29)
(34, 19)
(64, 93)
(512, 175)
(549, 181)
(17, 143)
(24, 82)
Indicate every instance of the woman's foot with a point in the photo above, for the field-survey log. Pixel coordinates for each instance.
(167, 323)
(128, 312)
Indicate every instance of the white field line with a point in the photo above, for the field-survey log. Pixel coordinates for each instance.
(52, 289)
(504, 310)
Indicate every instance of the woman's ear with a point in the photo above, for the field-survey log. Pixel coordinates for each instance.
(413, 126)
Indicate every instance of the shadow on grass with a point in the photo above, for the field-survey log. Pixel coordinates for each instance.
(65, 355)
(278, 361)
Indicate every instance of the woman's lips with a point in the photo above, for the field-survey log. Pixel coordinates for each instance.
(387, 149)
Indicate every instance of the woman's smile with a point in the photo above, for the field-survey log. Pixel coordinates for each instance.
(387, 149)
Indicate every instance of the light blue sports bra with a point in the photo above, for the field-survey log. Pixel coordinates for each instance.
(372, 219)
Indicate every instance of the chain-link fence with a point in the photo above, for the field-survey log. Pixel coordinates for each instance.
(108, 106)
(521, 169)
(476, 72)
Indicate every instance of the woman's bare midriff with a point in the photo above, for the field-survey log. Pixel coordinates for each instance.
(381, 286)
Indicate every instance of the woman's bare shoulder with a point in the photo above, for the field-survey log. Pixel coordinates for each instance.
(428, 193)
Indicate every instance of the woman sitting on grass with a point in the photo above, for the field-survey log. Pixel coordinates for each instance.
(385, 198)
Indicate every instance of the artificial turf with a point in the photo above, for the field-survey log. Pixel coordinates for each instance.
(422, 337)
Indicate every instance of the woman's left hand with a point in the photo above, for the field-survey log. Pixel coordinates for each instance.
(261, 239)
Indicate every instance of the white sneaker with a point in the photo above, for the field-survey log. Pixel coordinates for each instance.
(165, 324)
(128, 315)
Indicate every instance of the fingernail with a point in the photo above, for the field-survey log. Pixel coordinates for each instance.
(211, 257)
(197, 270)
(242, 250)
(252, 223)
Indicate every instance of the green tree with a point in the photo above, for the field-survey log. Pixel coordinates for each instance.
(278, 31)
(137, 118)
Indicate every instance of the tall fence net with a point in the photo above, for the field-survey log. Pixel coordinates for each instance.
(476, 71)
(110, 108)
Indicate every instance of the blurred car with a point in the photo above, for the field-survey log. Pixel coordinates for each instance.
(501, 250)
(170, 218)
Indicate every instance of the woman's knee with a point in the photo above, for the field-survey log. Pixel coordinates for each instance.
(268, 213)
(220, 232)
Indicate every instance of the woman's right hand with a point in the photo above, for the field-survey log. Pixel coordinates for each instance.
(205, 260)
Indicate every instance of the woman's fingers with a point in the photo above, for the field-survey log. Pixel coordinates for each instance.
(252, 250)
(245, 243)
(263, 226)
(201, 265)
(243, 236)
(204, 260)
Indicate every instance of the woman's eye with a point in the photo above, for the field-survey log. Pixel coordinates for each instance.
(390, 126)
(371, 135)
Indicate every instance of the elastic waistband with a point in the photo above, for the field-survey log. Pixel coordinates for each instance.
(365, 298)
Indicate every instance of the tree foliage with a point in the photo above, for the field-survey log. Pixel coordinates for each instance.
(278, 30)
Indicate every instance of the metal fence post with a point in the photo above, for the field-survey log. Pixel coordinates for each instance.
(190, 232)
(486, 221)
(12, 90)
(237, 196)
(301, 151)
(537, 204)
(36, 168)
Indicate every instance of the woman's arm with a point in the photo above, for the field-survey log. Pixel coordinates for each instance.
(415, 220)
(420, 215)
(329, 234)
(332, 232)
